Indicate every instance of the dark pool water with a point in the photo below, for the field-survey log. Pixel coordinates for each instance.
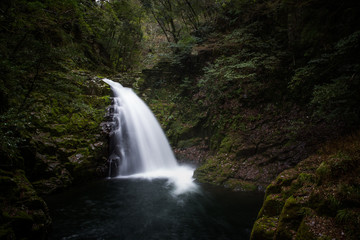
(137, 209)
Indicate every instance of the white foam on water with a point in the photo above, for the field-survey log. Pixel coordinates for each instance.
(180, 178)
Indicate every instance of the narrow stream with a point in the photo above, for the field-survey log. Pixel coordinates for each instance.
(137, 209)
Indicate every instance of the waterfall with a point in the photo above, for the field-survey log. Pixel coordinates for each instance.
(138, 145)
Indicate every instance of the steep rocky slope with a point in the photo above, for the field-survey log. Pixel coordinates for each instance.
(23, 213)
(261, 91)
(63, 143)
(229, 117)
(317, 199)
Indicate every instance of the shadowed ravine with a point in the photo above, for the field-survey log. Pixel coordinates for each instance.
(152, 197)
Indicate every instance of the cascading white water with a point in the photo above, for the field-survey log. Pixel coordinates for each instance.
(139, 144)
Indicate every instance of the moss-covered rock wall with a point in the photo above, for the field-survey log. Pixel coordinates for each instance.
(62, 140)
(23, 214)
(318, 199)
(259, 93)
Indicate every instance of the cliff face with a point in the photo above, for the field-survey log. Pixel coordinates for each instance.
(254, 104)
(317, 199)
(257, 95)
(262, 91)
(70, 145)
(23, 213)
(63, 143)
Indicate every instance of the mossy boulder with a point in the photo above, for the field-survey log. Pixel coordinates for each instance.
(323, 172)
(189, 142)
(68, 133)
(264, 228)
(272, 205)
(53, 184)
(226, 145)
(240, 185)
(24, 215)
(216, 170)
(304, 231)
(221, 170)
(290, 219)
(320, 202)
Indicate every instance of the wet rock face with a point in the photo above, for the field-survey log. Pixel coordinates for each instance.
(63, 144)
(242, 142)
(317, 199)
(264, 143)
(109, 127)
(23, 214)
(70, 143)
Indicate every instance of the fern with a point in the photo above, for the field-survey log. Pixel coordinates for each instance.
(343, 215)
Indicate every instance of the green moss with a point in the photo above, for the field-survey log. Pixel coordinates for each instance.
(6, 233)
(64, 119)
(5, 173)
(342, 162)
(84, 171)
(19, 215)
(239, 185)
(323, 171)
(139, 82)
(304, 233)
(325, 204)
(58, 129)
(273, 189)
(47, 186)
(305, 178)
(189, 142)
(349, 193)
(5, 180)
(68, 141)
(226, 145)
(291, 209)
(216, 170)
(215, 140)
(272, 206)
(317, 201)
(264, 228)
(79, 121)
(23, 184)
(290, 219)
(286, 177)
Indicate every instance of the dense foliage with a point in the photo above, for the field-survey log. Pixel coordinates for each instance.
(276, 52)
(257, 95)
(318, 199)
(42, 42)
(245, 88)
(269, 82)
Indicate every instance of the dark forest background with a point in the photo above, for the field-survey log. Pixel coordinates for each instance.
(244, 89)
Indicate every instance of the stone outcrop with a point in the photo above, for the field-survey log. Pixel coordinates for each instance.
(317, 199)
(23, 214)
(73, 148)
(267, 142)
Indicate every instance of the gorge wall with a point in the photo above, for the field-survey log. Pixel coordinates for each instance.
(264, 102)
(260, 93)
(251, 100)
(62, 145)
